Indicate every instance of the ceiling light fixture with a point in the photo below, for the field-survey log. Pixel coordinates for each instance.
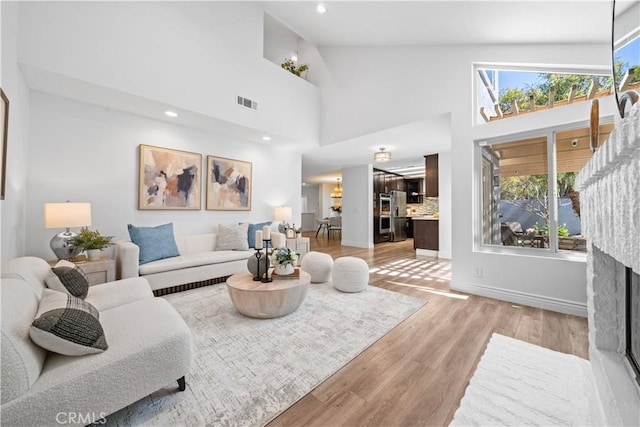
(266, 138)
(294, 57)
(320, 8)
(171, 113)
(382, 156)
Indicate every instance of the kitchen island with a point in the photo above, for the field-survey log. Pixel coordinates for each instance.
(425, 235)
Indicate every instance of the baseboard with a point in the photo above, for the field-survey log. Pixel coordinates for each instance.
(427, 253)
(553, 304)
(364, 245)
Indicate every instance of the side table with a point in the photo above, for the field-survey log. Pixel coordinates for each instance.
(299, 245)
(100, 271)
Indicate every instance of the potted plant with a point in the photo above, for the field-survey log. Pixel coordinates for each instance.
(92, 241)
(290, 65)
(282, 260)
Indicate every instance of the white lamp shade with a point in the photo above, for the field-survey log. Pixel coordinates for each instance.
(284, 213)
(67, 215)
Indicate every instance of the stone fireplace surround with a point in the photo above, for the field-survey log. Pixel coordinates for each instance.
(609, 186)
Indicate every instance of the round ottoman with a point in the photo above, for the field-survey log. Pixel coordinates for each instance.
(318, 265)
(350, 274)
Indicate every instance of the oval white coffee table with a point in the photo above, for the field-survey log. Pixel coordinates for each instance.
(267, 300)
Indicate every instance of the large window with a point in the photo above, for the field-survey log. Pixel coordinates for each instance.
(527, 194)
(502, 92)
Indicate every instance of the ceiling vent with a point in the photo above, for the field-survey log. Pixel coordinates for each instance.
(247, 103)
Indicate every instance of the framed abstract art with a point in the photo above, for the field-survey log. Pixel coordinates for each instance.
(169, 179)
(228, 184)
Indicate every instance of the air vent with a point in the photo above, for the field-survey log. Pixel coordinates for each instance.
(247, 103)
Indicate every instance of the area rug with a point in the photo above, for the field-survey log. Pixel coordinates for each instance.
(247, 371)
(521, 384)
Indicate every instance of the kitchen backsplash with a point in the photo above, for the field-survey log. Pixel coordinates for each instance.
(428, 207)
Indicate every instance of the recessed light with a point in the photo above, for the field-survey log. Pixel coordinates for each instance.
(320, 8)
(171, 113)
(294, 57)
(266, 138)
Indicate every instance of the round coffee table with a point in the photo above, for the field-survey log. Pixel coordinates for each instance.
(267, 300)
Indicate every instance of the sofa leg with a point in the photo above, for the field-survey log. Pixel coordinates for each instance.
(182, 384)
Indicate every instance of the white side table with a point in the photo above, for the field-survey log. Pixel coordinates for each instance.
(299, 245)
(100, 271)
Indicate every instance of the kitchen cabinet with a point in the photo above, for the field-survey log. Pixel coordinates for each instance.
(415, 189)
(425, 234)
(410, 228)
(431, 176)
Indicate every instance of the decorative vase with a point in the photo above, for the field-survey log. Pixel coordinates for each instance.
(298, 235)
(252, 265)
(283, 269)
(93, 254)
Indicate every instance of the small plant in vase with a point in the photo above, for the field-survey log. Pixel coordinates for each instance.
(283, 260)
(92, 241)
(290, 65)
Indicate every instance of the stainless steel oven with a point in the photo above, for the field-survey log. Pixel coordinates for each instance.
(385, 205)
(385, 224)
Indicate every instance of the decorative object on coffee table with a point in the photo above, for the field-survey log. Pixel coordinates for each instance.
(283, 260)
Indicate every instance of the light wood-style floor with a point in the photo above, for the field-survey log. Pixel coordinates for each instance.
(417, 374)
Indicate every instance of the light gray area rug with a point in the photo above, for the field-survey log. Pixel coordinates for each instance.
(521, 384)
(247, 371)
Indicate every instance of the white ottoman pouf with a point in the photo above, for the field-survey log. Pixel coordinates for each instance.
(318, 265)
(350, 274)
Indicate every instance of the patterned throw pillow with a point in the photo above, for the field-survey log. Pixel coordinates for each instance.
(67, 325)
(154, 242)
(232, 237)
(69, 278)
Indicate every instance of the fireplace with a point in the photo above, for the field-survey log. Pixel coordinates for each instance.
(610, 215)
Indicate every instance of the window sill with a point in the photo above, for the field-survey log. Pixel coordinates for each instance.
(573, 256)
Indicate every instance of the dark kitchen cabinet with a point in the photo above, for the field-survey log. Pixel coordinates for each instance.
(415, 189)
(425, 234)
(409, 228)
(431, 176)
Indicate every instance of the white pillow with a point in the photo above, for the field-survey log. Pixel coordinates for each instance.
(67, 325)
(232, 237)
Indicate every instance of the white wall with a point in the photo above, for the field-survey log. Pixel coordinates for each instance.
(444, 205)
(311, 192)
(80, 152)
(196, 56)
(12, 208)
(370, 92)
(279, 41)
(357, 206)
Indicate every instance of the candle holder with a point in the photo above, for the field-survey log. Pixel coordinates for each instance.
(266, 278)
(258, 255)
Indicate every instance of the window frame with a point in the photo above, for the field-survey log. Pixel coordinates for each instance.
(553, 251)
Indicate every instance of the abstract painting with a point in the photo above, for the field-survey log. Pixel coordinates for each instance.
(169, 179)
(228, 184)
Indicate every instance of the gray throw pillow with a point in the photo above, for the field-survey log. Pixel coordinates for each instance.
(232, 237)
(67, 325)
(68, 277)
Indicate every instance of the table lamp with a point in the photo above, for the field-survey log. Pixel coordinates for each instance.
(284, 214)
(66, 215)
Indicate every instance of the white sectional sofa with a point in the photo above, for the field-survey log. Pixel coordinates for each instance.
(199, 263)
(149, 347)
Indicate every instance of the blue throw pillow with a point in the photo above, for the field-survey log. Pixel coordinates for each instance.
(251, 232)
(154, 242)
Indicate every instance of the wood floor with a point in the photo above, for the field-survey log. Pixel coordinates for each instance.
(416, 374)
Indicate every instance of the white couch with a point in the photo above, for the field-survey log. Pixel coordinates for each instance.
(150, 347)
(199, 264)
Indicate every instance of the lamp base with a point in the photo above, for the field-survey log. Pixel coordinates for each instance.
(62, 245)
